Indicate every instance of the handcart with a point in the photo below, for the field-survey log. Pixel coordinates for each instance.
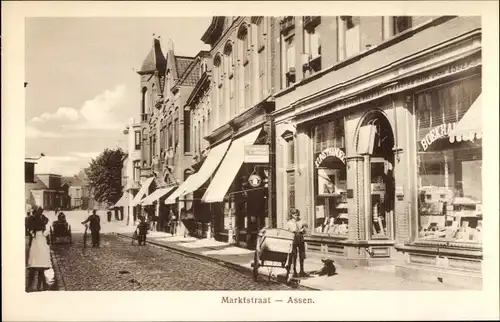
(60, 232)
(273, 246)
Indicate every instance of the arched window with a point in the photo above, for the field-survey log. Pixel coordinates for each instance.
(153, 94)
(243, 39)
(261, 50)
(219, 93)
(229, 60)
(144, 101)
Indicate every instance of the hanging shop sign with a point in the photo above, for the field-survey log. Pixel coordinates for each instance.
(330, 152)
(437, 132)
(254, 180)
(256, 153)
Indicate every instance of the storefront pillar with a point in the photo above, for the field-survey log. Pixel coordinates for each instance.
(304, 193)
(356, 205)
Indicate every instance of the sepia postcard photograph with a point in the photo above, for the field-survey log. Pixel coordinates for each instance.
(296, 167)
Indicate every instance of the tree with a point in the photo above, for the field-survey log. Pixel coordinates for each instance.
(104, 175)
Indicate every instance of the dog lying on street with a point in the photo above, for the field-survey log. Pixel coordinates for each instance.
(328, 268)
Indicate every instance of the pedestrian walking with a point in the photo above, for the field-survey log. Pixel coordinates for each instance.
(142, 230)
(39, 253)
(95, 227)
(298, 227)
(172, 222)
(109, 215)
(154, 222)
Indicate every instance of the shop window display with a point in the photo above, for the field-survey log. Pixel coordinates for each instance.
(449, 166)
(330, 178)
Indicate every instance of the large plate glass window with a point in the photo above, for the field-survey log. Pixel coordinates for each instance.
(449, 162)
(330, 179)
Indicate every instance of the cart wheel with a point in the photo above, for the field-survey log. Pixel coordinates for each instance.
(256, 266)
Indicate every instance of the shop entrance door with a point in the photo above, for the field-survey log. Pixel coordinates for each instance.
(378, 142)
(381, 198)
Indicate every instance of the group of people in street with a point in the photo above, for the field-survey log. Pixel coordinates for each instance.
(39, 252)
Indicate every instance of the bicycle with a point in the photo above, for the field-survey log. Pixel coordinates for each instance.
(85, 236)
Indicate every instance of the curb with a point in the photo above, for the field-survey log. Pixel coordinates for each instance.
(244, 270)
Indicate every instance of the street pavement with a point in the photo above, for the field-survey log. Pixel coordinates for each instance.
(120, 266)
(177, 263)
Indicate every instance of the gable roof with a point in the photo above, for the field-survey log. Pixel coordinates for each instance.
(37, 185)
(182, 64)
(73, 181)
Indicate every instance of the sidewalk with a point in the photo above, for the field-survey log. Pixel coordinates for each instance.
(347, 278)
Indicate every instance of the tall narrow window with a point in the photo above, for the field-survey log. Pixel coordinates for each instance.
(245, 65)
(144, 104)
(170, 136)
(261, 50)
(352, 35)
(137, 140)
(229, 55)
(289, 60)
(203, 133)
(312, 44)
(198, 136)
(176, 133)
(187, 129)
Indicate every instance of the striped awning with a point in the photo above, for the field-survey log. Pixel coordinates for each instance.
(470, 127)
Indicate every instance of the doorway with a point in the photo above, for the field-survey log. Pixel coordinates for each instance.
(376, 140)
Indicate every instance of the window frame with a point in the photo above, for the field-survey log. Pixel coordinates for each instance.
(137, 139)
(415, 237)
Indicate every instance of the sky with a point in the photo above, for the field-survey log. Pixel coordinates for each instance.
(83, 88)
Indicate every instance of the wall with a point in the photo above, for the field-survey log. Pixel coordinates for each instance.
(222, 112)
(377, 59)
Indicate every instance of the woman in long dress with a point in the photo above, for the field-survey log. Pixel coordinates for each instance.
(39, 253)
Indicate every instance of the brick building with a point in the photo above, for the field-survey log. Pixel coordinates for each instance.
(242, 80)
(166, 82)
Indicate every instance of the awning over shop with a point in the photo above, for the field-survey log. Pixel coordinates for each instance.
(123, 200)
(157, 194)
(199, 178)
(229, 168)
(471, 124)
(142, 191)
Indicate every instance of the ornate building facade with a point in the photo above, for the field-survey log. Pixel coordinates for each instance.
(370, 140)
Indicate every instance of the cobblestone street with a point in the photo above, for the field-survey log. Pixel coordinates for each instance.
(119, 265)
